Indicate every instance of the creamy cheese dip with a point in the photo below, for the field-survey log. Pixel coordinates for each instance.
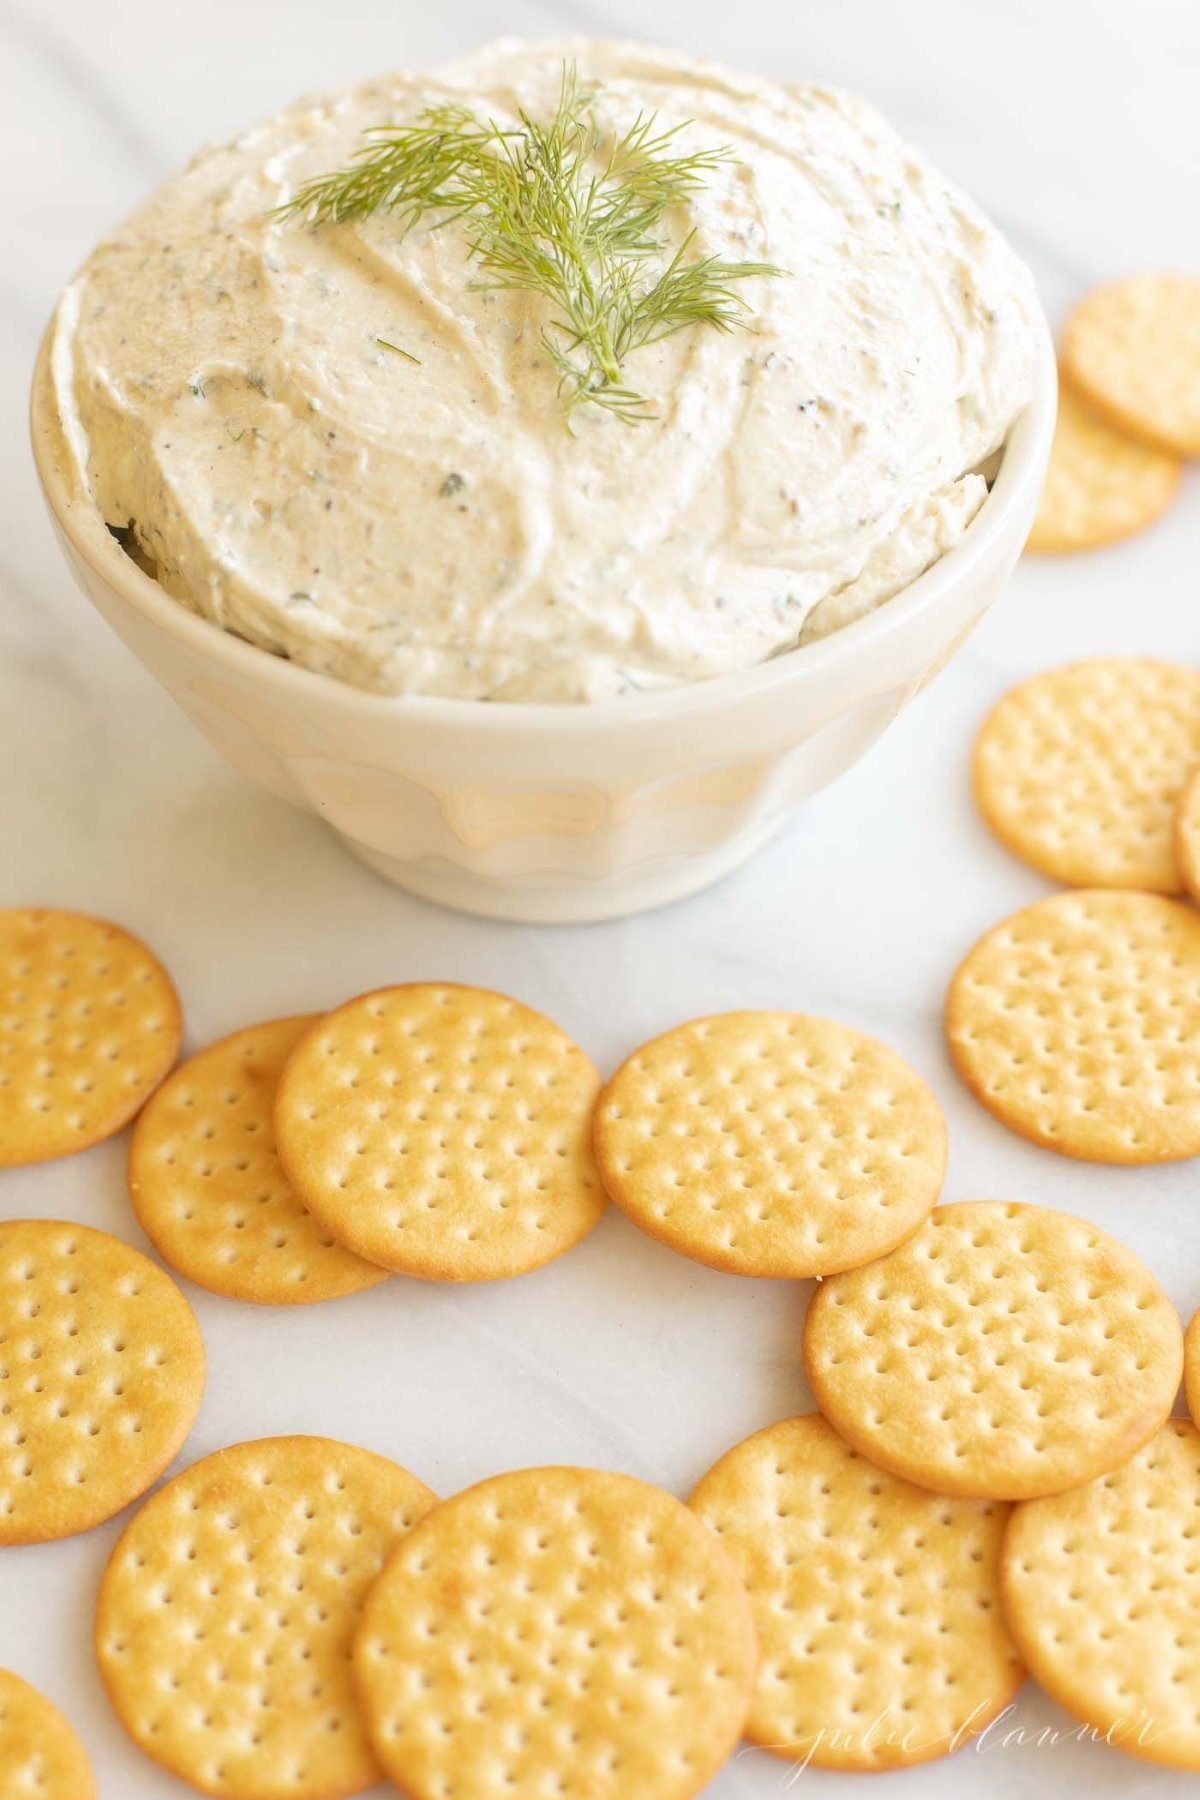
(432, 526)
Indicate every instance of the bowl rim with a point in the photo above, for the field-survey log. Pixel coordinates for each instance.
(1021, 464)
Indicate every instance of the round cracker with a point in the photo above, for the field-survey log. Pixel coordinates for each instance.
(876, 1603)
(101, 1375)
(1101, 1589)
(1003, 1352)
(1133, 348)
(208, 1189)
(1191, 1367)
(40, 1756)
(1079, 771)
(771, 1143)
(1100, 485)
(227, 1612)
(556, 1631)
(441, 1131)
(1076, 1022)
(1187, 837)
(89, 1025)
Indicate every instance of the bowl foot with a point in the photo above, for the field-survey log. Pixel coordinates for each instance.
(554, 897)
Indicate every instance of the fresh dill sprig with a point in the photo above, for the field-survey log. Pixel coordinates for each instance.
(396, 350)
(556, 210)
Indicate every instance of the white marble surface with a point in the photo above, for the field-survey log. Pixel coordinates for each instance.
(1074, 122)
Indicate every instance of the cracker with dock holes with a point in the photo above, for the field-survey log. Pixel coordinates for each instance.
(1101, 1588)
(441, 1131)
(1187, 837)
(89, 1025)
(1004, 1352)
(1076, 1022)
(556, 1631)
(1101, 485)
(876, 1603)
(1133, 348)
(101, 1374)
(771, 1143)
(227, 1611)
(207, 1187)
(1079, 771)
(40, 1756)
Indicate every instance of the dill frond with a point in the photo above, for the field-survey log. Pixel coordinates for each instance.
(555, 210)
(398, 350)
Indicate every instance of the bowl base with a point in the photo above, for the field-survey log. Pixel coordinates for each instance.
(555, 898)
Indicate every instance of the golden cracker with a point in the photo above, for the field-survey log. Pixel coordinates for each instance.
(556, 1631)
(1079, 770)
(40, 1756)
(89, 1025)
(1187, 837)
(1191, 1367)
(1101, 485)
(876, 1603)
(1076, 1022)
(228, 1608)
(1133, 349)
(771, 1143)
(1003, 1352)
(442, 1131)
(1101, 1589)
(208, 1189)
(101, 1375)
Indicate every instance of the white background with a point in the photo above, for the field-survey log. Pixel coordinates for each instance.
(1074, 123)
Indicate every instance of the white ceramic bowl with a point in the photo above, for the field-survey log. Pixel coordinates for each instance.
(557, 813)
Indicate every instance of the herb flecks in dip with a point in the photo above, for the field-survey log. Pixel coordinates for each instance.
(230, 386)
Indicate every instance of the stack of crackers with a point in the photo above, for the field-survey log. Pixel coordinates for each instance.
(1129, 412)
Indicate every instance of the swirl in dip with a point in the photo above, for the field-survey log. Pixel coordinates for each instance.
(432, 526)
